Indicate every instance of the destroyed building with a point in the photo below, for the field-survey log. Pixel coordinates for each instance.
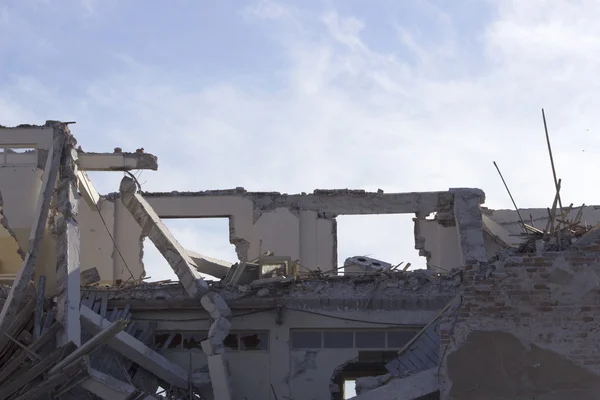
(497, 313)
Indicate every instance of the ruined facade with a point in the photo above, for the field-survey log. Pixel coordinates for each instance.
(287, 319)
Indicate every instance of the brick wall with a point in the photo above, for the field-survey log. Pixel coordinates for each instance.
(551, 300)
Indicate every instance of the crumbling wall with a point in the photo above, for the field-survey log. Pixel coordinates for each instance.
(526, 327)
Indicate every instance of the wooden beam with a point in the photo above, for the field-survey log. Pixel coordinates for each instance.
(36, 370)
(36, 346)
(39, 307)
(98, 340)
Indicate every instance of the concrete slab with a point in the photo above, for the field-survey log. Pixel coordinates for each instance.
(136, 351)
(210, 266)
(117, 161)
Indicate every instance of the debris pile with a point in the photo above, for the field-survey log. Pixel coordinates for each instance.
(560, 232)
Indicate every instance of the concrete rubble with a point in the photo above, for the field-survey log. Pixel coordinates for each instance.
(506, 308)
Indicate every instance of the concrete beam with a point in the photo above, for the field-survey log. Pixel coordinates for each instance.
(38, 229)
(117, 161)
(409, 388)
(136, 351)
(333, 202)
(210, 266)
(165, 242)
(90, 194)
(68, 269)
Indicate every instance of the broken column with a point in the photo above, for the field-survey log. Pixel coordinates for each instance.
(213, 346)
(162, 238)
(66, 230)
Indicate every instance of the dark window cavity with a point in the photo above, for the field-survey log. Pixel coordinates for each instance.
(338, 340)
(370, 340)
(306, 340)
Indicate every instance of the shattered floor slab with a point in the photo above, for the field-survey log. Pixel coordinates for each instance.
(409, 388)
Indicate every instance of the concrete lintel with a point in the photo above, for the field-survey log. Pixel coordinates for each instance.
(329, 203)
(90, 194)
(210, 266)
(136, 351)
(38, 229)
(165, 242)
(409, 388)
(117, 161)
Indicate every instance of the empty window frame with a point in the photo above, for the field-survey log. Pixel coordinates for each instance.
(18, 155)
(344, 339)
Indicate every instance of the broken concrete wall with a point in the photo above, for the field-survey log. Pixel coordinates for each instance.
(526, 326)
(301, 226)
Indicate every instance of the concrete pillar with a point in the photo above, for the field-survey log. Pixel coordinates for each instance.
(469, 224)
(68, 271)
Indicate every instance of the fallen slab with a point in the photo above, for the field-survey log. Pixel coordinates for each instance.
(162, 238)
(117, 161)
(210, 266)
(138, 352)
(410, 388)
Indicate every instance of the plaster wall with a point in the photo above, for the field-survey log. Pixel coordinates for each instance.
(128, 237)
(443, 245)
(96, 244)
(296, 374)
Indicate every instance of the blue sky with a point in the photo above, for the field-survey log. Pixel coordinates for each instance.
(411, 95)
